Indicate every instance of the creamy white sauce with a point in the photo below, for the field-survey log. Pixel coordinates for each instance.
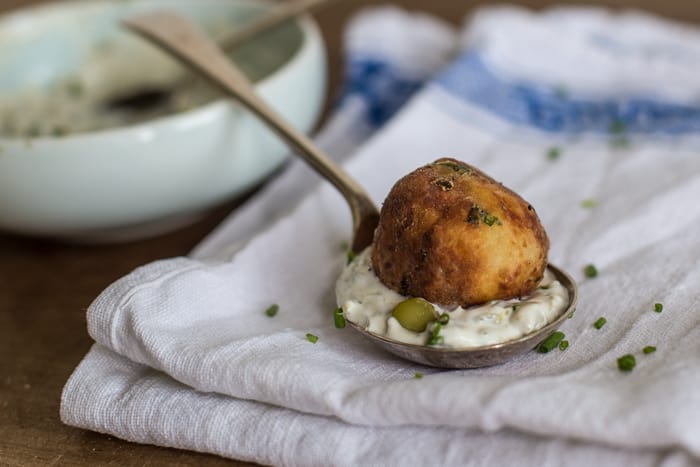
(114, 69)
(367, 302)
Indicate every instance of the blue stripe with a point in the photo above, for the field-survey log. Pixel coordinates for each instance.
(380, 84)
(553, 110)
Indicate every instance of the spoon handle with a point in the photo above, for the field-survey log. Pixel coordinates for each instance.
(183, 40)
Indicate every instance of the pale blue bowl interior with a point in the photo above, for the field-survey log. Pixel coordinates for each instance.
(40, 46)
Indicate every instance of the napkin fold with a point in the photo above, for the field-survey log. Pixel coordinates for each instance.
(186, 357)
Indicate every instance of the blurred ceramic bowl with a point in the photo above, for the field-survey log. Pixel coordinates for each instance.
(88, 175)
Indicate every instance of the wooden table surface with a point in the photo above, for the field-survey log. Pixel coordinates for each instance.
(45, 287)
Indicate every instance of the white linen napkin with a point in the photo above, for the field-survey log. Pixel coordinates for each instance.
(186, 356)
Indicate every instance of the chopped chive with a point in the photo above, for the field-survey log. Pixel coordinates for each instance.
(563, 345)
(456, 167)
(311, 338)
(338, 318)
(344, 245)
(590, 271)
(571, 315)
(589, 203)
(626, 362)
(553, 153)
(74, 88)
(59, 131)
(618, 131)
(550, 342)
(435, 337)
(600, 323)
(649, 349)
(490, 219)
(418, 375)
(658, 307)
(617, 127)
(351, 256)
(272, 310)
(444, 318)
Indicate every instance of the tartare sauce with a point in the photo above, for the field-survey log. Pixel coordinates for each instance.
(367, 302)
(111, 86)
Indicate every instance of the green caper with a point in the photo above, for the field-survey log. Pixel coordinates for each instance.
(414, 314)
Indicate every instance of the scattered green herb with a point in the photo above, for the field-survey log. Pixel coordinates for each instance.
(351, 256)
(600, 323)
(344, 246)
(476, 213)
(553, 153)
(563, 345)
(272, 310)
(649, 349)
(550, 342)
(589, 203)
(75, 88)
(658, 307)
(418, 375)
(339, 318)
(311, 338)
(626, 362)
(490, 219)
(435, 337)
(618, 131)
(571, 315)
(59, 131)
(443, 319)
(590, 271)
(617, 127)
(456, 167)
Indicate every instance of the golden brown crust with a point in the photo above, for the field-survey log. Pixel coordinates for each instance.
(454, 236)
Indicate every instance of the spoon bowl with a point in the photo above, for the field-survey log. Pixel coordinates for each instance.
(184, 41)
(477, 357)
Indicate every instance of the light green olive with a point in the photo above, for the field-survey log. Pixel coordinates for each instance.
(414, 314)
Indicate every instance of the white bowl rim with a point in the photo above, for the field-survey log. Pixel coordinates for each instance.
(305, 21)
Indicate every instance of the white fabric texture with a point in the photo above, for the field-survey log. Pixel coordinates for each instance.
(186, 357)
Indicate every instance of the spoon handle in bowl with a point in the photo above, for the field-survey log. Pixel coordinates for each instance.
(275, 16)
(184, 41)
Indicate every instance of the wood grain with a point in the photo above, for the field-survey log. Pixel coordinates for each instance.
(45, 287)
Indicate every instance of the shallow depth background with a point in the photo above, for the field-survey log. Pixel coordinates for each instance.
(45, 288)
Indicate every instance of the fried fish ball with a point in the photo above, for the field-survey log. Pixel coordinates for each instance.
(454, 236)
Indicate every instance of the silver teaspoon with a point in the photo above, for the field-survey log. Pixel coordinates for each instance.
(177, 36)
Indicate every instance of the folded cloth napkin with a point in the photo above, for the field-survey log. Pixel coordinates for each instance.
(594, 118)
